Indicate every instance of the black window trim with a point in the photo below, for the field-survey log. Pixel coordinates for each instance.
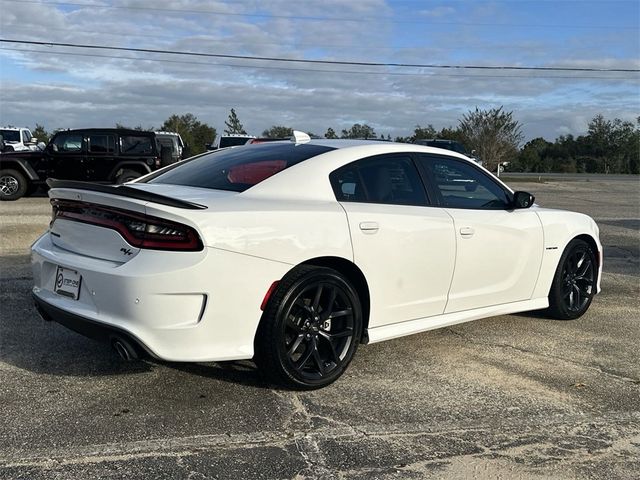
(428, 195)
(434, 189)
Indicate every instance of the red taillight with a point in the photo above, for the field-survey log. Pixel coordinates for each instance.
(267, 295)
(139, 230)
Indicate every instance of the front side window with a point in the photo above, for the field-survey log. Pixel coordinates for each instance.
(461, 185)
(26, 136)
(237, 169)
(101, 144)
(68, 143)
(136, 145)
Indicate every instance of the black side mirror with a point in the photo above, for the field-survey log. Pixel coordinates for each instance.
(522, 200)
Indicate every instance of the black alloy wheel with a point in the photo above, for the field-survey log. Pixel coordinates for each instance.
(310, 329)
(13, 185)
(127, 176)
(574, 283)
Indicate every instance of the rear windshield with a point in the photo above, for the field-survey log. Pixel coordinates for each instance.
(10, 135)
(238, 169)
(233, 141)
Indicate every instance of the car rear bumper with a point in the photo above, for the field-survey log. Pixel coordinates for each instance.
(87, 327)
(178, 306)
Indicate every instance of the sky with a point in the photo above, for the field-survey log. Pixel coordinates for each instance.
(65, 87)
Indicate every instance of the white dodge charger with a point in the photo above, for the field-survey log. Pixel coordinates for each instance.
(293, 253)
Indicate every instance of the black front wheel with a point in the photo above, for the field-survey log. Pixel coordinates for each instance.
(13, 185)
(310, 329)
(574, 283)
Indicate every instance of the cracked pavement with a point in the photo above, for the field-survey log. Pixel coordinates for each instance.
(517, 396)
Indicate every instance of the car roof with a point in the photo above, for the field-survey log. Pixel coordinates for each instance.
(307, 180)
(125, 131)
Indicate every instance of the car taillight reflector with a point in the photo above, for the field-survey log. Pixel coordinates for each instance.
(138, 229)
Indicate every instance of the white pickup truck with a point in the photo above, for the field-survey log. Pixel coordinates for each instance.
(17, 140)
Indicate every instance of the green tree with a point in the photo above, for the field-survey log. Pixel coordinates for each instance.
(278, 131)
(532, 156)
(359, 131)
(615, 144)
(330, 133)
(41, 134)
(194, 133)
(139, 127)
(493, 134)
(423, 133)
(233, 125)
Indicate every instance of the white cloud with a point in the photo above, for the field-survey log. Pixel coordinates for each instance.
(78, 91)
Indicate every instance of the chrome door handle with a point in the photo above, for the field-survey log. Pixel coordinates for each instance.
(467, 232)
(369, 227)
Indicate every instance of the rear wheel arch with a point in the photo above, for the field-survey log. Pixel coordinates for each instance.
(357, 279)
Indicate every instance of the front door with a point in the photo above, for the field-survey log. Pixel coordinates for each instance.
(499, 249)
(67, 157)
(404, 246)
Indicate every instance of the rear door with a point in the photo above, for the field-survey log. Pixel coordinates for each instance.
(404, 246)
(499, 250)
(101, 151)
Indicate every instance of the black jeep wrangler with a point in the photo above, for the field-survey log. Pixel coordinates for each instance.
(106, 155)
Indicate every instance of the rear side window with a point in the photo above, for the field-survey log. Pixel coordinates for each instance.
(102, 144)
(136, 145)
(238, 169)
(388, 179)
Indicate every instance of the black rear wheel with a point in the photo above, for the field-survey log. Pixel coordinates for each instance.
(310, 329)
(574, 283)
(127, 176)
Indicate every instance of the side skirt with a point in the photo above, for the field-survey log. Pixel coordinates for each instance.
(395, 330)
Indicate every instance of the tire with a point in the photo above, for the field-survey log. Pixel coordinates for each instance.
(13, 185)
(310, 329)
(574, 282)
(127, 176)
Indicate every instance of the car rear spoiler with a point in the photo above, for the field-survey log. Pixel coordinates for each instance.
(124, 191)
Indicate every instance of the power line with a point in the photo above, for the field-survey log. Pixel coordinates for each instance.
(225, 41)
(322, 62)
(320, 18)
(314, 70)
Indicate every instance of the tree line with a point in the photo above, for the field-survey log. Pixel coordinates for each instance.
(492, 135)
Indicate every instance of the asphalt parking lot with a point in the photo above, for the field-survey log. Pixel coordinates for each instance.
(516, 396)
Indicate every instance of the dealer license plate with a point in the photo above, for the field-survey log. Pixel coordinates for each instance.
(67, 283)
